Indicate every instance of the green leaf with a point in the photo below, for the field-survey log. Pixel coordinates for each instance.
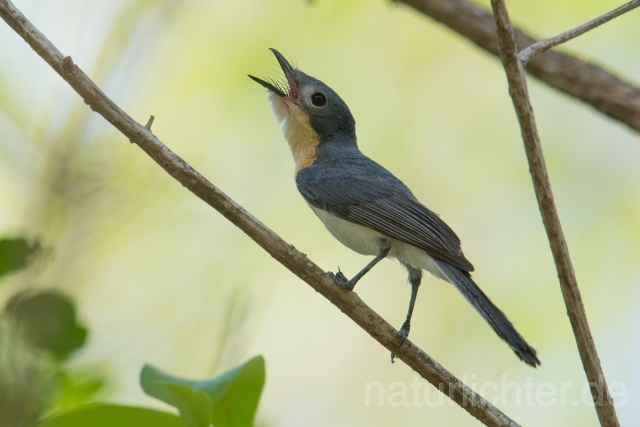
(76, 387)
(106, 415)
(47, 320)
(194, 406)
(151, 378)
(237, 407)
(15, 254)
(233, 395)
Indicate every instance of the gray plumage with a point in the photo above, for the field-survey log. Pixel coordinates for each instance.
(349, 185)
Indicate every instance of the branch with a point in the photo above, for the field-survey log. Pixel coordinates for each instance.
(348, 302)
(586, 82)
(544, 45)
(516, 77)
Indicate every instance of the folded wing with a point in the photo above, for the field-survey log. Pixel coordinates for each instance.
(369, 195)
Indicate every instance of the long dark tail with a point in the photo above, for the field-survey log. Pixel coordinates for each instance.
(496, 318)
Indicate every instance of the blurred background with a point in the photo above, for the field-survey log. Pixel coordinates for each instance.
(157, 276)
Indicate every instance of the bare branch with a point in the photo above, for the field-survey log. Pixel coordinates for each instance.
(348, 302)
(586, 82)
(516, 77)
(544, 45)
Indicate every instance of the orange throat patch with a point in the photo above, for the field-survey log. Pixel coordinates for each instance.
(302, 139)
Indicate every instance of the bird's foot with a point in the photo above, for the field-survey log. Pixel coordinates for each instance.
(404, 334)
(341, 280)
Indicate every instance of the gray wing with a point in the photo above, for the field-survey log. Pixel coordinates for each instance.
(371, 196)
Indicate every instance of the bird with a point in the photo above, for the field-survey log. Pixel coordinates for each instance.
(364, 206)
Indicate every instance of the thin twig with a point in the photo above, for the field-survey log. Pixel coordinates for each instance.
(298, 263)
(546, 44)
(149, 122)
(516, 77)
(147, 126)
(582, 80)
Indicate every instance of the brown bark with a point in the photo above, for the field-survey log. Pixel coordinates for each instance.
(587, 82)
(516, 77)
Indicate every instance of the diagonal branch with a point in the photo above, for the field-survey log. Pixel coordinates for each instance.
(516, 77)
(348, 302)
(587, 82)
(546, 44)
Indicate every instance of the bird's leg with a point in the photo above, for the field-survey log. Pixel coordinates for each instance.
(340, 278)
(415, 277)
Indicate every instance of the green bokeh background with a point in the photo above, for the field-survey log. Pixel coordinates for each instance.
(160, 277)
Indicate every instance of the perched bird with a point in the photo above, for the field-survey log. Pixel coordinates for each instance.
(366, 207)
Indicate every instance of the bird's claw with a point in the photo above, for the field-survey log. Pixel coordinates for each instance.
(404, 334)
(341, 280)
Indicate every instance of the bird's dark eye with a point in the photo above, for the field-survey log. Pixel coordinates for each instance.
(318, 99)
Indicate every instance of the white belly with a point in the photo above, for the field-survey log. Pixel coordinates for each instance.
(365, 241)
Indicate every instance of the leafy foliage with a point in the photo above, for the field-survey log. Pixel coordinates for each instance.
(230, 399)
(15, 254)
(194, 406)
(48, 320)
(104, 415)
(75, 387)
(26, 380)
(38, 331)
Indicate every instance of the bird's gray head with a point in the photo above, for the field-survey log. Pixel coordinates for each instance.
(311, 112)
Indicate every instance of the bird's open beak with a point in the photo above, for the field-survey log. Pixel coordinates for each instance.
(288, 71)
